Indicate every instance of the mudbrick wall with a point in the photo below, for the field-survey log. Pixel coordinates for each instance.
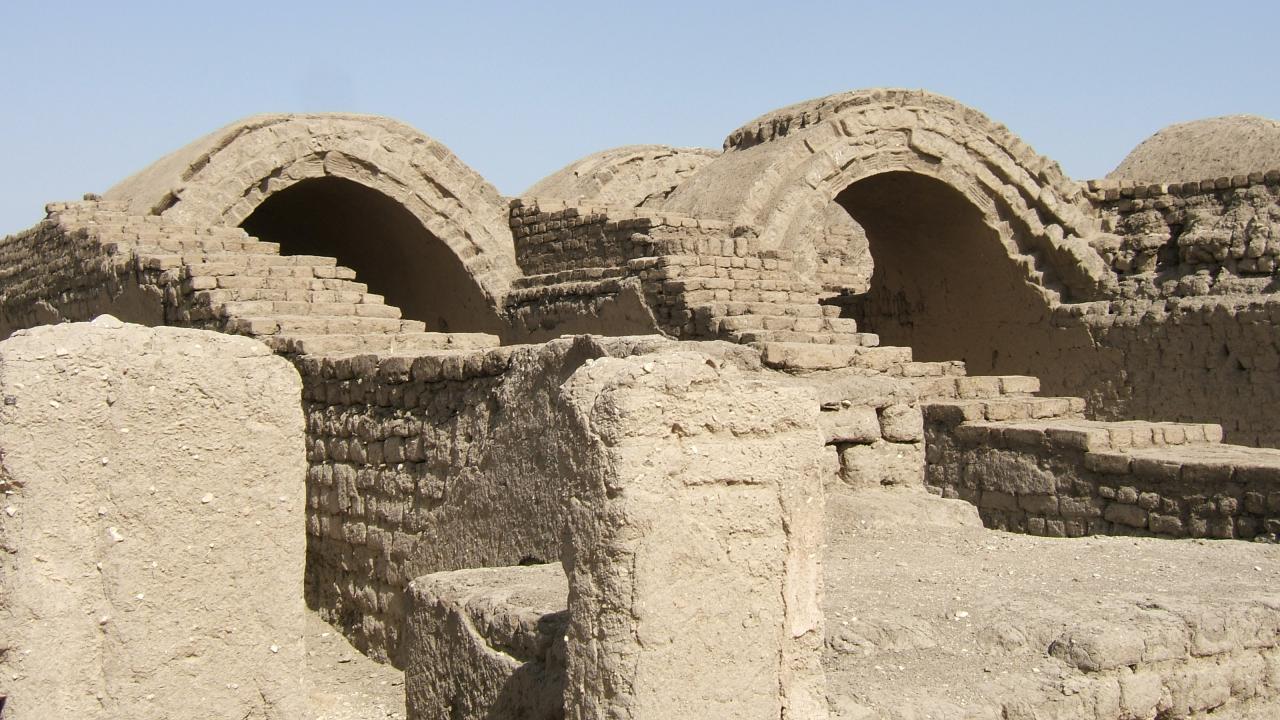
(1194, 238)
(148, 553)
(436, 462)
(554, 237)
(618, 265)
(616, 271)
(1194, 356)
(841, 261)
(1208, 359)
(696, 510)
(1191, 335)
(1057, 474)
(693, 543)
(57, 272)
(1187, 334)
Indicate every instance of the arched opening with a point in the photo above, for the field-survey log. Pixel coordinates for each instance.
(383, 242)
(942, 283)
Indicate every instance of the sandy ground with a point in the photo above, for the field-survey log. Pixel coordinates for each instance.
(346, 685)
(945, 620)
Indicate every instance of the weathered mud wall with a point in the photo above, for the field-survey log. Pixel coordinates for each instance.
(694, 553)
(1195, 359)
(152, 525)
(1206, 359)
(1187, 238)
(438, 462)
(694, 515)
(1189, 332)
(1068, 479)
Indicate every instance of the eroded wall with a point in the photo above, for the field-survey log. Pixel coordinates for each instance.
(1066, 478)
(1216, 236)
(1208, 359)
(438, 462)
(693, 520)
(1195, 339)
(151, 525)
(841, 258)
(694, 543)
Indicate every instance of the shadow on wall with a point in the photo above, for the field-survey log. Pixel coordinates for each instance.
(384, 243)
(942, 283)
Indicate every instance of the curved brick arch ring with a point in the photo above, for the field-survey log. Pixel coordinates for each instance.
(780, 172)
(222, 178)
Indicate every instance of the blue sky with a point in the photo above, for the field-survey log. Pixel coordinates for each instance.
(92, 91)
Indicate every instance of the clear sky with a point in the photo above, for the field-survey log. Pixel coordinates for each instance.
(92, 91)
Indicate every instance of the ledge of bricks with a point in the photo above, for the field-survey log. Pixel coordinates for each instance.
(1071, 477)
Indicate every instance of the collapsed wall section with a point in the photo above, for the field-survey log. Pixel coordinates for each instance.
(152, 525)
(584, 268)
(1210, 237)
(611, 271)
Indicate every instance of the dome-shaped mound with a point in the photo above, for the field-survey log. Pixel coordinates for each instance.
(1210, 148)
(627, 176)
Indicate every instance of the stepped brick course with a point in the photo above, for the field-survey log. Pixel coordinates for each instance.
(1064, 476)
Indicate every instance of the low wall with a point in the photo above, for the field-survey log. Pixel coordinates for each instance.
(553, 237)
(440, 461)
(626, 270)
(1070, 481)
(487, 644)
(1201, 359)
(614, 305)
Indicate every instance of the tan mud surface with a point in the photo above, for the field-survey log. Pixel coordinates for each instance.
(957, 622)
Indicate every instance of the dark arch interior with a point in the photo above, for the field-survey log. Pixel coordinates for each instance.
(383, 242)
(942, 283)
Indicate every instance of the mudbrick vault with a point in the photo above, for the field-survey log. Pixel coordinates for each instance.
(873, 413)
